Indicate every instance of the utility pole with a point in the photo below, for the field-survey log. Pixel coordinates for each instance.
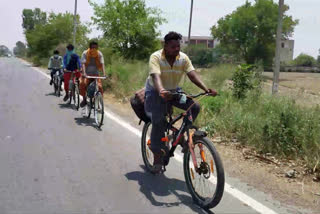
(276, 72)
(189, 35)
(75, 23)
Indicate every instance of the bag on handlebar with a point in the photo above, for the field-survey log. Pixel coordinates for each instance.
(91, 89)
(137, 104)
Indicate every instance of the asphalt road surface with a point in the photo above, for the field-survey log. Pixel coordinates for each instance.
(53, 160)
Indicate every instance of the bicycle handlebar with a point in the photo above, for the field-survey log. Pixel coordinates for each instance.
(95, 77)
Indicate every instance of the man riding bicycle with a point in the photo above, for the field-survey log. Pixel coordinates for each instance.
(71, 63)
(166, 69)
(55, 64)
(92, 62)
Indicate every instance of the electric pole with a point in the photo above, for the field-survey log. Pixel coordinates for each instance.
(276, 72)
(75, 23)
(189, 35)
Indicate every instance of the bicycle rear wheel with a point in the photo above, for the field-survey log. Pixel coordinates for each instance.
(98, 109)
(76, 97)
(147, 154)
(205, 184)
(88, 108)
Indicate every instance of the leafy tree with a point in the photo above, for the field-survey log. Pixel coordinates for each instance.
(58, 30)
(4, 50)
(304, 60)
(129, 26)
(20, 49)
(250, 31)
(318, 59)
(31, 18)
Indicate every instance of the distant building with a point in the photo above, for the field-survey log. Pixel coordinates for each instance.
(286, 50)
(208, 41)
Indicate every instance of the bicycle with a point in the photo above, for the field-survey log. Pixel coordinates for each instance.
(95, 101)
(57, 81)
(74, 92)
(200, 161)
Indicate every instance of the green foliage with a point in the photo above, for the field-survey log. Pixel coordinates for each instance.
(31, 18)
(250, 31)
(304, 60)
(245, 78)
(126, 78)
(129, 27)
(4, 50)
(20, 49)
(58, 30)
(201, 55)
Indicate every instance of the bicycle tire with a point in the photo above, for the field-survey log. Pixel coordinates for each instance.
(217, 196)
(88, 108)
(98, 108)
(76, 98)
(54, 85)
(59, 87)
(145, 151)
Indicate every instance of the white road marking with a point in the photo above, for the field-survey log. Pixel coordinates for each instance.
(228, 188)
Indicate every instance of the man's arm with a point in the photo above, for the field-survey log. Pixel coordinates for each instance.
(102, 63)
(194, 77)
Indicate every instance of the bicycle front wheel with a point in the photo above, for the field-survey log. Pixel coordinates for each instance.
(98, 109)
(206, 183)
(59, 87)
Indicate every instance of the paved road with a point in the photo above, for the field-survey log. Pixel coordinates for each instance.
(52, 160)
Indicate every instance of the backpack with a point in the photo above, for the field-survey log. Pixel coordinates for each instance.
(73, 63)
(56, 62)
(137, 104)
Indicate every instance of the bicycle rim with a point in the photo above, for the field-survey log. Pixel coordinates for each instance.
(76, 97)
(59, 87)
(88, 108)
(98, 109)
(147, 154)
(206, 184)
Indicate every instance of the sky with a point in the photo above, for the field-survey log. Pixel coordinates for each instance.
(205, 14)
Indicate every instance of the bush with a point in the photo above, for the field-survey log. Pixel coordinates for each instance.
(304, 60)
(245, 78)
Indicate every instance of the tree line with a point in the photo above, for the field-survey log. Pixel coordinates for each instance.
(129, 30)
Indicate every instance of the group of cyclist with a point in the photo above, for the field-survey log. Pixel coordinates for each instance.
(90, 64)
(166, 69)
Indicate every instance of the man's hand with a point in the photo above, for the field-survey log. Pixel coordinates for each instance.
(166, 95)
(212, 92)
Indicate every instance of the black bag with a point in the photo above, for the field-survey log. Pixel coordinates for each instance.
(137, 104)
(73, 63)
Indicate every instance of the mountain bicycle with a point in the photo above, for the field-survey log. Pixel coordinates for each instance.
(95, 101)
(202, 166)
(74, 92)
(57, 81)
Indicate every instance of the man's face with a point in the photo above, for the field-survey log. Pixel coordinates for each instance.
(172, 48)
(94, 47)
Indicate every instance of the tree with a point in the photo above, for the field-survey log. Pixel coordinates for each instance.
(4, 50)
(318, 59)
(304, 60)
(129, 26)
(250, 30)
(58, 30)
(31, 18)
(20, 49)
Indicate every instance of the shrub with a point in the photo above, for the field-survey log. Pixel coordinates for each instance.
(304, 60)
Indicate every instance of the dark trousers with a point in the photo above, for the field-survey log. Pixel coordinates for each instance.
(156, 108)
(53, 71)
